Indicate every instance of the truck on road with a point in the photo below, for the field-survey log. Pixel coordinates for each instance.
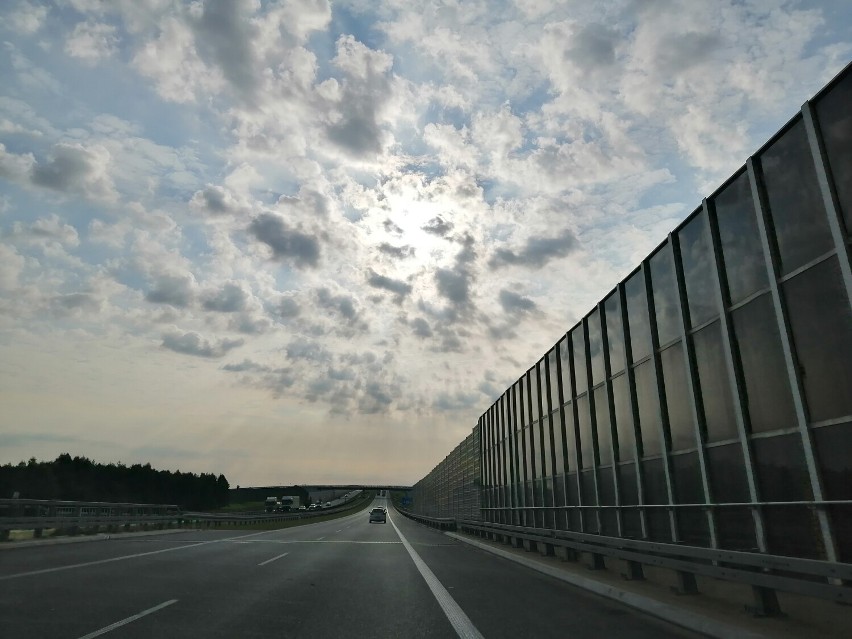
(288, 503)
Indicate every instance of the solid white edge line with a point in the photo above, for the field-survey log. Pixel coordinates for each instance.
(269, 561)
(124, 622)
(460, 621)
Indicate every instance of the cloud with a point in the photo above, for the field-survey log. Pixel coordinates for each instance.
(438, 226)
(26, 20)
(92, 42)
(245, 366)
(74, 168)
(453, 285)
(15, 167)
(536, 251)
(391, 227)
(224, 34)
(342, 304)
(176, 290)
(307, 350)
(421, 328)
(192, 343)
(287, 243)
(215, 200)
(362, 94)
(47, 229)
(75, 304)
(288, 308)
(399, 252)
(400, 288)
(229, 299)
(513, 303)
(592, 47)
(456, 284)
(12, 265)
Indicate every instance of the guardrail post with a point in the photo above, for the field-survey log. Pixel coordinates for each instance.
(686, 584)
(765, 603)
(529, 545)
(545, 550)
(634, 571)
(566, 554)
(597, 562)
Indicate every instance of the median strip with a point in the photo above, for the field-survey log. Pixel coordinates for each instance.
(124, 622)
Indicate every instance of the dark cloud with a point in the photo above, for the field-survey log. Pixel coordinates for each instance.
(391, 227)
(309, 351)
(245, 366)
(358, 133)
(250, 324)
(421, 327)
(438, 226)
(453, 285)
(492, 391)
(215, 200)
(341, 374)
(260, 376)
(513, 303)
(396, 251)
(69, 169)
(192, 343)
(536, 252)
(287, 243)
(398, 287)
(74, 303)
(288, 308)
(593, 47)
(224, 33)
(364, 91)
(678, 52)
(231, 298)
(377, 398)
(176, 290)
(343, 304)
(449, 342)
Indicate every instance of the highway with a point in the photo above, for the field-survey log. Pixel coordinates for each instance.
(340, 578)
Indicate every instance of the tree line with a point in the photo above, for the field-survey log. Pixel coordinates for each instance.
(81, 479)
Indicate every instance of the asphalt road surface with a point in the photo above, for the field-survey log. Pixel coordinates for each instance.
(341, 578)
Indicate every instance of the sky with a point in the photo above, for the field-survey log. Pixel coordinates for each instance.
(312, 242)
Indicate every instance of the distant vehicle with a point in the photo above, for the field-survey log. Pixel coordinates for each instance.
(271, 504)
(288, 503)
(378, 514)
(303, 507)
(327, 504)
(314, 507)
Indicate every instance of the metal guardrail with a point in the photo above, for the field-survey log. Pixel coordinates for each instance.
(41, 514)
(765, 573)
